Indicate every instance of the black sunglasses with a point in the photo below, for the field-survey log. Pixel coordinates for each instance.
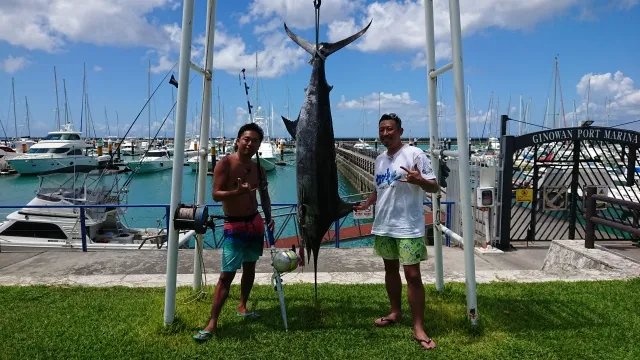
(391, 116)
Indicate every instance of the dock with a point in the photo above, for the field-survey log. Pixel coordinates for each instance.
(530, 263)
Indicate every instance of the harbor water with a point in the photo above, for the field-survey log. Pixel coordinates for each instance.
(155, 188)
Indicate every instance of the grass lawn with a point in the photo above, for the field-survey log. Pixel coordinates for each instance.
(590, 320)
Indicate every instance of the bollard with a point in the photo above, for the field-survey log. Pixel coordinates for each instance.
(83, 230)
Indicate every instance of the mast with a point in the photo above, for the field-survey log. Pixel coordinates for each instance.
(588, 97)
(66, 104)
(220, 115)
(15, 119)
(546, 115)
(55, 81)
(575, 115)
(520, 117)
(106, 120)
(28, 127)
(148, 98)
(117, 125)
(257, 82)
(84, 88)
(555, 77)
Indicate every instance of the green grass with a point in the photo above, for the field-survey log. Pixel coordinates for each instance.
(590, 320)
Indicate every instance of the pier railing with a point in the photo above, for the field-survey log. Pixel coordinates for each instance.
(283, 213)
(592, 218)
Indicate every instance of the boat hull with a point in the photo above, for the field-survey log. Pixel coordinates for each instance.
(51, 165)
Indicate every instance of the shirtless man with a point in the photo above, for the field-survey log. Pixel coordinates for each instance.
(235, 181)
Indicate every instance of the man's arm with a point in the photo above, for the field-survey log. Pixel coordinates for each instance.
(430, 186)
(266, 201)
(370, 201)
(428, 182)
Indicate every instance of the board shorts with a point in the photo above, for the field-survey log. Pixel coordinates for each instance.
(243, 241)
(409, 251)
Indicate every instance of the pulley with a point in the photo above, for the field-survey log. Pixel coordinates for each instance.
(192, 217)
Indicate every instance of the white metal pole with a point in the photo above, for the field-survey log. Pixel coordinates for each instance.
(434, 141)
(178, 160)
(204, 135)
(463, 149)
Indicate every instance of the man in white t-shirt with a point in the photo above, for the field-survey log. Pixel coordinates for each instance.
(402, 175)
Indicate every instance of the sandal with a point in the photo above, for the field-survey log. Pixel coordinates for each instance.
(428, 342)
(250, 314)
(383, 321)
(203, 335)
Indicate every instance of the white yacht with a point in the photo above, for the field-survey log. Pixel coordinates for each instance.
(152, 161)
(6, 153)
(266, 150)
(59, 152)
(43, 226)
(361, 144)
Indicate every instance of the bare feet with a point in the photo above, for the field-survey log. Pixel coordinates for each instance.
(390, 319)
(426, 342)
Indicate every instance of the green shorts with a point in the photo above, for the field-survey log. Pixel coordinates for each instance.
(409, 251)
(234, 253)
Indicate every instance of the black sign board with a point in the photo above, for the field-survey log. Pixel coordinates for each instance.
(610, 135)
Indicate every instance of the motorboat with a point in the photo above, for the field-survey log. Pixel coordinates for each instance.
(59, 152)
(152, 161)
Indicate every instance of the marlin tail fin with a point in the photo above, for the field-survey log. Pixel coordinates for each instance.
(327, 48)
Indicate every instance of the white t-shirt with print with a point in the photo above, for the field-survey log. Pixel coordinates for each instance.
(399, 208)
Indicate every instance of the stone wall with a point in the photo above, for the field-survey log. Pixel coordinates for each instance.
(356, 168)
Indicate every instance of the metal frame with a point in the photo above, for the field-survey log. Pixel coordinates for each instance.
(463, 151)
(570, 161)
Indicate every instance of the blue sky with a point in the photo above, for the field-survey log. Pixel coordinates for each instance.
(508, 49)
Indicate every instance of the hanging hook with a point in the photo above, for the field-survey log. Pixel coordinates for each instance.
(317, 3)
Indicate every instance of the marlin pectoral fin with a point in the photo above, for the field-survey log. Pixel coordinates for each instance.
(333, 47)
(344, 208)
(291, 126)
(309, 47)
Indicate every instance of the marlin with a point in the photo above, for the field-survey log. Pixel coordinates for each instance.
(319, 204)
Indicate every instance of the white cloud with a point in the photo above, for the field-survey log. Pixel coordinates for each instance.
(409, 110)
(14, 64)
(242, 117)
(97, 68)
(49, 25)
(277, 56)
(300, 14)
(614, 94)
(400, 25)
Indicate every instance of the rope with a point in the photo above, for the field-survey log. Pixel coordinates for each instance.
(316, 4)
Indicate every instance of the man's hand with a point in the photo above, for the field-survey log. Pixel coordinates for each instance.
(243, 187)
(272, 225)
(361, 206)
(413, 176)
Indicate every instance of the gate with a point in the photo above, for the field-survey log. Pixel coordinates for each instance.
(544, 174)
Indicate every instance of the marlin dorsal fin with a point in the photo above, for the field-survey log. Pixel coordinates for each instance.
(291, 126)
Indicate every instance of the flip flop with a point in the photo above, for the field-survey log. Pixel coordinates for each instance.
(203, 335)
(428, 342)
(383, 321)
(250, 314)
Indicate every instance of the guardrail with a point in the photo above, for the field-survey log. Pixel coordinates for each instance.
(290, 211)
(592, 218)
